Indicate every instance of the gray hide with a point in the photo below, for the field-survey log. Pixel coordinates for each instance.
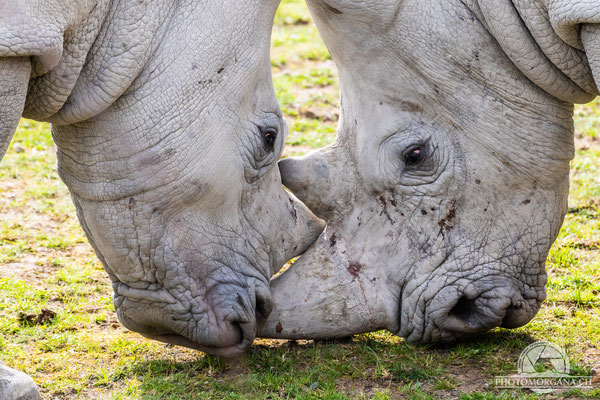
(168, 131)
(16, 385)
(449, 178)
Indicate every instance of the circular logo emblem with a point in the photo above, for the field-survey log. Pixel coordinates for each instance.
(546, 353)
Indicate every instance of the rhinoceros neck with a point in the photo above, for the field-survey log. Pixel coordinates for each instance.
(102, 56)
(526, 32)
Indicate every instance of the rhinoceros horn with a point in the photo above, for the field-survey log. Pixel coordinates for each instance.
(14, 78)
(313, 302)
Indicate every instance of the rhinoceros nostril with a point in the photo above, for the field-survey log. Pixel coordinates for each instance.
(463, 309)
(472, 316)
(264, 306)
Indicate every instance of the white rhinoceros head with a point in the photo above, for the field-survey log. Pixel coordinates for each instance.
(168, 133)
(448, 182)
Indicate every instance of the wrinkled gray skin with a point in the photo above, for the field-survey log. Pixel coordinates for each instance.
(455, 243)
(168, 131)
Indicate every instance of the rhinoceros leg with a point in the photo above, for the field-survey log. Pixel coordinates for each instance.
(14, 77)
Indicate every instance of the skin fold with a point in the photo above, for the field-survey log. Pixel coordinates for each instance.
(167, 131)
(448, 181)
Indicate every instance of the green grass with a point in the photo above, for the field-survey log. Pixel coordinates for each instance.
(305, 79)
(83, 352)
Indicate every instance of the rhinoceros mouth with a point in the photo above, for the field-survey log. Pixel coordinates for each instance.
(231, 351)
(227, 330)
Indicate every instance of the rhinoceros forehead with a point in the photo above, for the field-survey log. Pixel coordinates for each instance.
(444, 61)
(461, 74)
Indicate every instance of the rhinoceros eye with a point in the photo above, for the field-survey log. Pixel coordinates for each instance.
(269, 138)
(414, 156)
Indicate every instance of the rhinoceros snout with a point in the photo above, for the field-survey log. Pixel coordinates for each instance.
(217, 324)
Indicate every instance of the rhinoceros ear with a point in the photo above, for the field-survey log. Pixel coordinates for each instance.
(532, 47)
(590, 36)
(14, 78)
(568, 16)
(577, 24)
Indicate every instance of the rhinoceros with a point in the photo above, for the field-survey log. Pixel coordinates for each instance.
(448, 181)
(168, 133)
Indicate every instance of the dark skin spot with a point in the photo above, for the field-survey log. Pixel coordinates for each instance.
(220, 70)
(393, 198)
(332, 240)
(205, 82)
(526, 201)
(385, 210)
(446, 223)
(294, 212)
(354, 268)
(278, 327)
(477, 181)
(131, 203)
(423, 212)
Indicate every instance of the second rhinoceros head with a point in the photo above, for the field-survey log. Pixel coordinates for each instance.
(448, 182)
